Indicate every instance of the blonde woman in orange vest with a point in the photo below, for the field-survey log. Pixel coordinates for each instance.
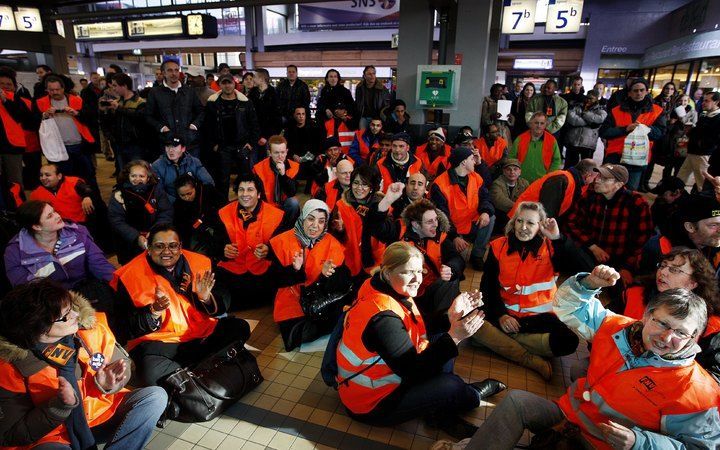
(643, 390)
(518, 285)
(63, 376)
(302, 256)
(168, 308)
(389, 370)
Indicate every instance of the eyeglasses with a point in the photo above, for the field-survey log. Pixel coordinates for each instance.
(675, 270)
(360, 184)
(680, 334)
(64, 318)
(161, 246)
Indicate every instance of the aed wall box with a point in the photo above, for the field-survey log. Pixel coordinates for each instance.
(437, 86)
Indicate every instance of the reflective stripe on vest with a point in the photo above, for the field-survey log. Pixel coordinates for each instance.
(13, 130)
(65, 201)
(182, 321)
(387, 178)
(360, 391)
(548, 147)
(353, 245)
(284, 246)
(75, 102)
(493, 154)
(433, 167)
(463, 207)
(532, 193)
(623, 119)
(344, 134)
(258, 232)
(267, 175)
(528, 285)
(639, 396)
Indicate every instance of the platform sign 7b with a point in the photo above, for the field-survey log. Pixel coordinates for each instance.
(518, 16)
(564, 16)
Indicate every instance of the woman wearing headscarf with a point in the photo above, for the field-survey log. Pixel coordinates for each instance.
(303, 256)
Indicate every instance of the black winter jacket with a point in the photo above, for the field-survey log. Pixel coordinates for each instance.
(176, 111)
(246, 123)
(293, 96)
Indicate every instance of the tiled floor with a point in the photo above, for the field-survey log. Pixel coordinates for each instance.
(293, 409)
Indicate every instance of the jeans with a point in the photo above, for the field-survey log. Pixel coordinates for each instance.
(124, 153)
(11, 167)
(634, 172)
(131, 425)
(481, 237)
(291, 206)
(518, 411)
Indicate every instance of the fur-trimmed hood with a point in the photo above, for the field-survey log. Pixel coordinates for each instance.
(12, 353)
(443, 221)
(239, 95)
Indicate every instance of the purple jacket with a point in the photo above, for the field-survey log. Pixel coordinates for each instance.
(77, 259)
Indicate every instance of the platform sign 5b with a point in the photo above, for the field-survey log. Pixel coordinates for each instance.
(564, 16)
(518, 16)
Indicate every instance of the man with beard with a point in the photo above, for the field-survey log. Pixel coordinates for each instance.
(366, 141)
(399, 163)
(550, 104)
(434, 153)
(506, 190)
(491, 145)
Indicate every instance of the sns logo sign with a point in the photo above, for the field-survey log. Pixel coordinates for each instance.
(384, 4)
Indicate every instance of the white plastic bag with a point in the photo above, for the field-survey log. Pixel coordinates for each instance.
(636, 150)
(51, 141)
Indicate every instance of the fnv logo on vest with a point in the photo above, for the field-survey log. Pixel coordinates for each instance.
(648, 383)
(58, 353)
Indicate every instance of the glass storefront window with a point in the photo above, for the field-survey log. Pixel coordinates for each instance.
(709, 76)
(662, 75)
(275, 23)
(681, 75)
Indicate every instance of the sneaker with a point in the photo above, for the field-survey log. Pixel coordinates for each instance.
(449, 445)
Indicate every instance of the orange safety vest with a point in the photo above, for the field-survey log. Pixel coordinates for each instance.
(387, 178)
(365, 150)
(266, 174)
(527, 287)
(548, 147)
(66, 201)
(665, 245)
(353, 246)
(182, 321)
(532, 193)
(361, 393)
(13, 130)
(285, 245)
(640, 396)
(463, 208)
(713, 325)
(258, 232)
(623, 119)
(16, 192)
(345, 134)
(75, 102)
(42, 386)
(493, 154)
(331, 194)
(441, 160)
(432, 257)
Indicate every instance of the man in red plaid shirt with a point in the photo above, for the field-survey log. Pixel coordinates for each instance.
(612, 223)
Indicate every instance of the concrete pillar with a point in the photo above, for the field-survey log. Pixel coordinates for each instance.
(473, 40)
(414, 48)
(493, 46)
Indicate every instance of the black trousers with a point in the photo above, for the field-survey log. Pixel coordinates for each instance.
(562, 340)
(246, 291)
(156, 360)
(295, 332)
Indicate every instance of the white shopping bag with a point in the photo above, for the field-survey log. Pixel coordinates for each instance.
(51, 141)
(636, 150)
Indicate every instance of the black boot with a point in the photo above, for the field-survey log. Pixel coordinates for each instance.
(488, 387)
(454, 426)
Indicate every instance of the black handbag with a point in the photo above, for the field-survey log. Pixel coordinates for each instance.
(205, 391)
(317, 301)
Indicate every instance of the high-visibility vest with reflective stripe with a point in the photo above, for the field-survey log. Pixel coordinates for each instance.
(361, 393)
(623, 119)
(285, 246)
(353, 223)
(532, 193)
(642, 396)
(548, 148)
(42, 386)
(13, 130)
(432, 256)
(527, 286)
(463, 207)
(387, 178)
(182, 321)
(344, 134)
(65, 201)
(266, 174)
(433, 167)
(493, 154)
(75, 102)
(258, 232)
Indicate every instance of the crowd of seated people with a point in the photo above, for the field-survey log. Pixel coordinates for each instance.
(372, 252)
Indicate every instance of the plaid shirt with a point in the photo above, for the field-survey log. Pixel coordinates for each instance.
(620, 226)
